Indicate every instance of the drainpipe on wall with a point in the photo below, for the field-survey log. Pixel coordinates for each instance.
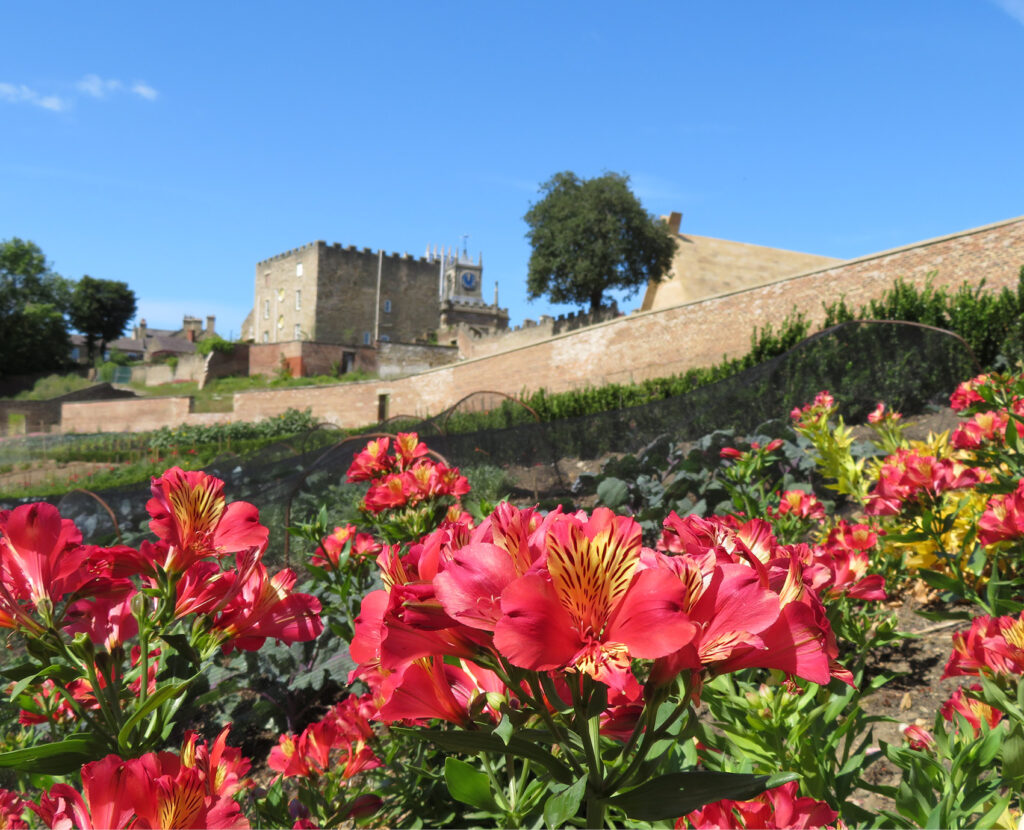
(376, 311)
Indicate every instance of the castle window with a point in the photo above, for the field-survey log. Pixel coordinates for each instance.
(298, 270)
(298, 299)
(280, 321)
(298, 332)
(387, 306)
(366, 338)
(266, 337)
(280, 295)
(266, 309)
(384, 338)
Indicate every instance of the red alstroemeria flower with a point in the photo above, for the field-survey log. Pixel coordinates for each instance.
(41, 556)
(223, 768)
(779, 807)
(408, 448)
(1003, 519)
(108, 620)
(191, 515)
(267, 608)
(731, 606)
(372, 462)
(965, 395)
(589, 609)
(430, 688)
(800, 504)
(12, 808)
(329, 553)
(993, 646)
(918, 738)
(971, 709)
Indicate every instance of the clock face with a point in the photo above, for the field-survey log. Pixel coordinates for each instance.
(468, 280)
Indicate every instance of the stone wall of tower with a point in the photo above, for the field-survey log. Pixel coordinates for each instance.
(347, 291)
(286, 296)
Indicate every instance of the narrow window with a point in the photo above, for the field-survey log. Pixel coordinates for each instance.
(280, 322)
(266, 337)
(298, 298)
(298, 270)
(366, 338)
(266, 309)
(387, 306)
(297, 335)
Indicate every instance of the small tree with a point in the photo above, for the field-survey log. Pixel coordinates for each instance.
(592, 235)
(100, 309)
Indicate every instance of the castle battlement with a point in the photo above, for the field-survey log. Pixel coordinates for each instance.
(351, 249)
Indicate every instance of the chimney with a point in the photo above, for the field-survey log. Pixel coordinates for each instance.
(674, 220)
(190, 335)
(209, 323)
(140, 330)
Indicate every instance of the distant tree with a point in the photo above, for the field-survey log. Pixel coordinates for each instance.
(592, 235)
(33, 301)
(101, 309)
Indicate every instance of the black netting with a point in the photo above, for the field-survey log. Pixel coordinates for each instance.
(905, 365)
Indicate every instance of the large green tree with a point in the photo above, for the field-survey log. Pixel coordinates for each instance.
(101, 309)
(590, 236)
(33, 301)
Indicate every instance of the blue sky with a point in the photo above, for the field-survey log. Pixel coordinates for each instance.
(173, 146)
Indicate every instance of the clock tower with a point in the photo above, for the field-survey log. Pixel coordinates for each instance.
(463, 278)
(462, 299)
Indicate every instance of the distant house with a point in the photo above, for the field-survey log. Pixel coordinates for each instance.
(155, 345)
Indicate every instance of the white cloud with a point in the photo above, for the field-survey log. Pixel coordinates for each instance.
(96, 87)
(91, 86)
(1014, 8)
(21, 94)
(144, 90)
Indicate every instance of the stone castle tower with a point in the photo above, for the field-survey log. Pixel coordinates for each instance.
(357, 297)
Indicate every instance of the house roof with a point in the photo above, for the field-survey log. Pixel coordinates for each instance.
(174, 345)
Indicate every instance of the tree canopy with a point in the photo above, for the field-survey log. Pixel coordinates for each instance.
(100, 309)
(592, 235)
(33, 300)
(37, 305)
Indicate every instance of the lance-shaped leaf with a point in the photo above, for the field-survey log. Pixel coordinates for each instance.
(473, 742)
(468, 785)
(57, 758)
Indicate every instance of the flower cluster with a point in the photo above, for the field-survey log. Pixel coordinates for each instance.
(100, 611)
(406, 477)
(816, 412)
(328, 554)
(336, 741)
(580, 596)
(195, 788)
(908, 475)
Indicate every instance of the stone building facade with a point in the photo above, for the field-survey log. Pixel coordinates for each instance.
(359, 297)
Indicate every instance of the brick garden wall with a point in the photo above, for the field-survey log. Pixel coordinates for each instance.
(653, 343)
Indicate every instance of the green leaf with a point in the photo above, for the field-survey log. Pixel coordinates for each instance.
(159, 697)
(613, 492)
(58, 758)
(42, 674)
(939, 581)
(473, 742)
(677, 793)
(468, 785)
(564, 805)
(504, 729)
